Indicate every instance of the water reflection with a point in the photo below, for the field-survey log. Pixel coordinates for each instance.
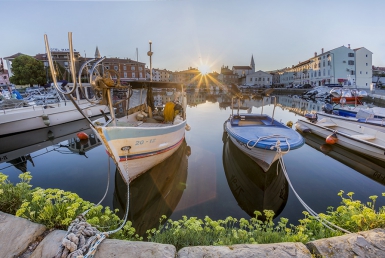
(251, 186)
(16, 149)
(155, 193)
(369, 167)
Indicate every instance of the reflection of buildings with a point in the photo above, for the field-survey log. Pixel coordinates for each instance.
(254, 189)
(299, 106)
(369, 167)
(155, 193)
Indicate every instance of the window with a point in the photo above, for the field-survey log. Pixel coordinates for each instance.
(133, 75)
(251, 79)
(124, 68)
(116, 68)
(366, 64)
(140, 68)
(324, 64)
(352, 72)
(268, 79)
(328, 72)
(319, 73)
(350, 62)
(323, 72)
(65, 64)
(366, 72)
(255, 79)
(350, 54)
(360, 72)
(125, 75)
(132, 68)
(329, 63)
(366, 55)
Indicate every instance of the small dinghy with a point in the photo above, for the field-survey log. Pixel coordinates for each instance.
(261, 137)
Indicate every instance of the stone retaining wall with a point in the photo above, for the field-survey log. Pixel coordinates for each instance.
(22, 238)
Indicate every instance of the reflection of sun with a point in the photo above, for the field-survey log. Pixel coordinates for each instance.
(204, 69)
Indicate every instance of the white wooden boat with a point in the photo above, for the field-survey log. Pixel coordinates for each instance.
(368, 121)
(28, 118)
(135, 140)
(357, 137)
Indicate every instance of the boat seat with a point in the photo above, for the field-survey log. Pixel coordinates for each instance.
(246, 123)
(365, 137)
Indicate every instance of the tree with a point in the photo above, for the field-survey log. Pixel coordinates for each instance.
(27, 70)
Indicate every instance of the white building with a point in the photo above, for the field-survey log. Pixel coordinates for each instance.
(342, 65)
(259, 79)
(242, 71)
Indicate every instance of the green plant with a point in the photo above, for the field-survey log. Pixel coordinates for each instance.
(12, 196)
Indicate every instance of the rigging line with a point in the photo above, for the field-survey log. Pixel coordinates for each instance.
(312, 212)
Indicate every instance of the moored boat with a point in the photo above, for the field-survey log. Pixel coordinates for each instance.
(357, 137)
(262, 137)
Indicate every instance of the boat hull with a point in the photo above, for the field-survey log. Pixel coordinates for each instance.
(137, 149)
(37, 117)
(264, 158)
(345, 140)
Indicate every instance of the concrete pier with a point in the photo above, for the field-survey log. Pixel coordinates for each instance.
(24, 239)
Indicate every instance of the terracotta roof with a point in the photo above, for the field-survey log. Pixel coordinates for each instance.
(14, 56)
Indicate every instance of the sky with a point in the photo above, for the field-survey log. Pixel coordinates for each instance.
(196, 33)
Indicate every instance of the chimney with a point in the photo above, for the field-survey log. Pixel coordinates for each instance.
(349, 46)
(322, 50)
(315, 54)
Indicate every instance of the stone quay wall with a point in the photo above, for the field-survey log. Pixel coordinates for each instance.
(24, 239)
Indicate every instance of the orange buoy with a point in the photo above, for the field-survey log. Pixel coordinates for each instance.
(332, 139)
(82, 136)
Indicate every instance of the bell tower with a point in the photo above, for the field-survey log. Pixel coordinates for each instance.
(252, 64)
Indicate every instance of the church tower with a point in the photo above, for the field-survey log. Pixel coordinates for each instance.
(252, 64)
(97, 53)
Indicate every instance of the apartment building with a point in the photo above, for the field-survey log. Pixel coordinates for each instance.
(342, 65)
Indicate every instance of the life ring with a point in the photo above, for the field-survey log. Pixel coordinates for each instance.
(343, 100)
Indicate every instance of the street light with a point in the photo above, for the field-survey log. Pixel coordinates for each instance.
(149, 53)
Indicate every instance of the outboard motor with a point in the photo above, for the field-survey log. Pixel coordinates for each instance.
(327, 108)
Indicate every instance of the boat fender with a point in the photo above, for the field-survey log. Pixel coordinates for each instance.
(302, 128)
(82, 136)
(289, 124)
(46, 120)
(343, 101)
(187, 127)
(332, 139)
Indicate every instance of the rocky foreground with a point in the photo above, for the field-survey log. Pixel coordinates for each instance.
(22, 238)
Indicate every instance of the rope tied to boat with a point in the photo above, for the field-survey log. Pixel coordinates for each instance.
(276, 146)
(81, 237)
(324, 222)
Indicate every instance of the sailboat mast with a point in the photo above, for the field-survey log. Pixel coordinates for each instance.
(137, 64)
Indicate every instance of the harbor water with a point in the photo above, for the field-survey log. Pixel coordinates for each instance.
(207, 176)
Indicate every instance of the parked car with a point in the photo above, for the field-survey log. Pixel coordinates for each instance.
(306, 86)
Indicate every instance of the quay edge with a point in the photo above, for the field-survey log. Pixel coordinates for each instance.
(21, 238)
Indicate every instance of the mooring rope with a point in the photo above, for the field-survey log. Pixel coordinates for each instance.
(312, 212)
(269, 137)
(81, 236)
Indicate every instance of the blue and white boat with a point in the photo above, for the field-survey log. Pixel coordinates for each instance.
(261, 137)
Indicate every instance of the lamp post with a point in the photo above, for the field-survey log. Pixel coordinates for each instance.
(149, 53)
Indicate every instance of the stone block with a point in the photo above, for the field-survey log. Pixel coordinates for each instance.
(108, 248)
(281, 250)
(362, 244)
(16, 234)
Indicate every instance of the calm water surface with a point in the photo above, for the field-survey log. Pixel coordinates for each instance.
(206, 176)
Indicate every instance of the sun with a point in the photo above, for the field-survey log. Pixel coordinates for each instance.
(204, 69)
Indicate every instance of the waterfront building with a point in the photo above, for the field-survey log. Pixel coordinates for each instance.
(159, 75)
(227, 76)
(4, 78)
(259, 79)
(342, 65)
